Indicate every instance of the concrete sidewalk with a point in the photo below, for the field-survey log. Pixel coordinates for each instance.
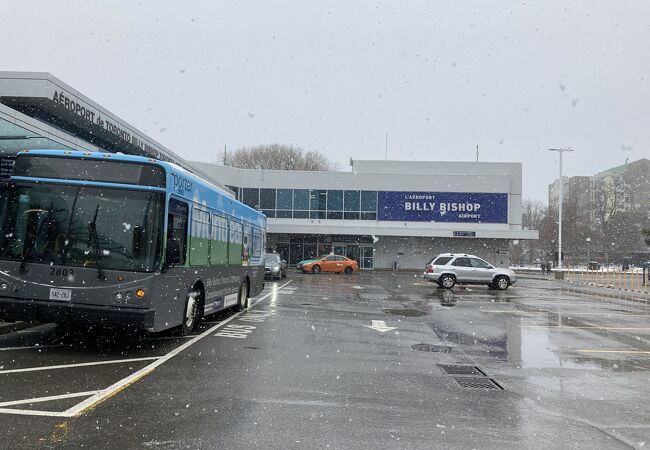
(605, 291)
(590, 288)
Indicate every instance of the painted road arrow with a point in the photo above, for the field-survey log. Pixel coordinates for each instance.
(379, 325)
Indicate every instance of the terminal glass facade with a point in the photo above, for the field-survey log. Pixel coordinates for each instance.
(311, 203)
(14, 138)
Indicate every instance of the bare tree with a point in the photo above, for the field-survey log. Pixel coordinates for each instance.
(276, 157)
(533, 214)
(548, 234)
(611, 196)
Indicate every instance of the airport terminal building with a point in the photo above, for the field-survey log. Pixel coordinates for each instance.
(39, 111)
(384, 214)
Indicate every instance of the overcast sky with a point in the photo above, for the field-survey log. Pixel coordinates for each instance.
(439, 77)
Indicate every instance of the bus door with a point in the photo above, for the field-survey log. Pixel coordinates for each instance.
(176, 253)
(175, 259)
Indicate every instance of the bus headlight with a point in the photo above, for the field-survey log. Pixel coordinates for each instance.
(119, 296)
(4, 287)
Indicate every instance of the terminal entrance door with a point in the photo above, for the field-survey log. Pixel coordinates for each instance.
(362, 254)
(295, 248)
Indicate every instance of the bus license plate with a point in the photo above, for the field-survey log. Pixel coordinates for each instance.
(60, 294)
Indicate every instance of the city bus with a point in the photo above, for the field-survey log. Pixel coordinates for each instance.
(120, 240)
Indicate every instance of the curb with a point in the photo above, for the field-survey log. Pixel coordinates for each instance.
(530, 277)
(617, 294)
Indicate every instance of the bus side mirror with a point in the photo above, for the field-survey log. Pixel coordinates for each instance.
(173, 255)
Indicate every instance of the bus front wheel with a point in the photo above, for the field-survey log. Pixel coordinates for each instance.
(191, 313)
(242, 297)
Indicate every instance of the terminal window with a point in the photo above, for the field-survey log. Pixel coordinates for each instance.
(311, 203)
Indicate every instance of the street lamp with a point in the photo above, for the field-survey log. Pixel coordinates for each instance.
(559, 233)
(588, 249)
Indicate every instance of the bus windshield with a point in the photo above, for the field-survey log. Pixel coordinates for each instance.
(82, 226)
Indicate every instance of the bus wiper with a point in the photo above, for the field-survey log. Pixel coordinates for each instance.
(46, 220)
(68, 241)
(93, 238)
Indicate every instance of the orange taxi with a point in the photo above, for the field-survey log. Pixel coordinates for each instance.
(328, 263)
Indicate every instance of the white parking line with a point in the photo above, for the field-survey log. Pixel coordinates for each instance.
(632, 351)
(125, 382)
(586, 327)
(30, 412)
(27, 401)
(565, 313)
(66, 366)
(103, 394)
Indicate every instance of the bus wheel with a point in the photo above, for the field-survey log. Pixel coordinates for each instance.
(242, 297)
(191, 314)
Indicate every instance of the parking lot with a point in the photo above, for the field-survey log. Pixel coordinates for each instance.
(371, 360)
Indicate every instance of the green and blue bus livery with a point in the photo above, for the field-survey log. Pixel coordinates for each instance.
(122, 240)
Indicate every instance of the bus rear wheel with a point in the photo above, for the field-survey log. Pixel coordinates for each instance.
(191, 313)
(242, 297)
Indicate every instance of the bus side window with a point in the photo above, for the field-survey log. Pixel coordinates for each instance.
(235, 244)
(248, 244)
(200, 237)
(219, 241)
(258, 244)
(177, 232)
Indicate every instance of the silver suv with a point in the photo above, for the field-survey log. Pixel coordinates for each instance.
(448, 269)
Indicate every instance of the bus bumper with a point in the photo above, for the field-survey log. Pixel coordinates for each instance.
(44, 311)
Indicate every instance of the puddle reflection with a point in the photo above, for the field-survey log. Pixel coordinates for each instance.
(447, 298)
(509, 337)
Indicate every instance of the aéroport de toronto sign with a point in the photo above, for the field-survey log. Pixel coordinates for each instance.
(94, 117)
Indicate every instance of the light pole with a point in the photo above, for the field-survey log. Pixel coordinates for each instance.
(588, 250)
(559, 233)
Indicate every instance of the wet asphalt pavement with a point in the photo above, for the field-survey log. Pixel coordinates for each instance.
(306, 367)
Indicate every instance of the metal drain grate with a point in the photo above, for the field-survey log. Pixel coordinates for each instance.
(431, 348)
(478, 383)
(461, 370)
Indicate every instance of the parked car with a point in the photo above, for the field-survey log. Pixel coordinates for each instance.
(328, 263)
(274, 266)
(449, 269)
(593, 265)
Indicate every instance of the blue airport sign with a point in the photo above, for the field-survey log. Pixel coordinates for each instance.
(469, 207)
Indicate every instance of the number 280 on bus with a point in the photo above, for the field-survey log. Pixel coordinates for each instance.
(121, 240)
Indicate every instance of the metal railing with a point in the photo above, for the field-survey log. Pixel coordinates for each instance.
(630, 280)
